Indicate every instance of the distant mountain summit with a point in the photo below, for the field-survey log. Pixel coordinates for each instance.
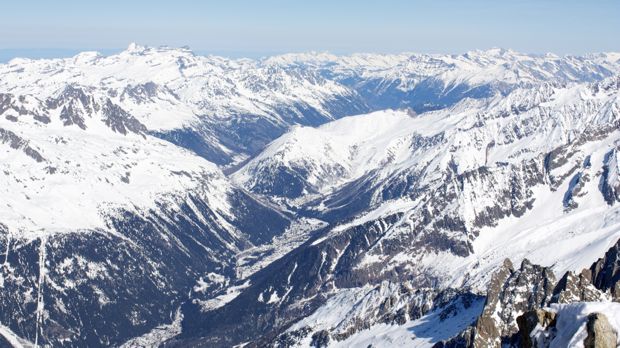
(158, 196)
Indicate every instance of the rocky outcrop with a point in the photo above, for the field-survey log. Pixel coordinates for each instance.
(18, 143)
(600, 333)
(516, 299)
(120, 120)
(510, 293)
(464, 339)
(320, 339)
(576, 288)
(75, 104)
(606, 272)
(610, 183)
(539, 329)
(532, 320)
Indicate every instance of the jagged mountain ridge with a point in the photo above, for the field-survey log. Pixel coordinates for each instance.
(106, 228)
(431, 81)
(498, 172)
(104, 128)
(227, 109)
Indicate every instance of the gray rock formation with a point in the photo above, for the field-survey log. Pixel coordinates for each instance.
(606, 272)
(529, 320)
(600, 333)
(609, 184)
(516, 298)
(576, 288)
(18, 143)
(510, 293)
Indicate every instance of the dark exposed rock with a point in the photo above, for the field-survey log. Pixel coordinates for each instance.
(610, 184)
(142, 92)
(76, 104)
(70, 116)
(574, 187)
(20, 107)
(606, 272)
(510, 293)
(600, 333)
(16, 142)
(465, 339)
(121, 121)
(291, 338)
(42, 118)
(320, 339)
(529, 320)
(576, 288)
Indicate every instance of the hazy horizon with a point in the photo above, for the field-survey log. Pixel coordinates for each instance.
(239, 28)
(51, 53)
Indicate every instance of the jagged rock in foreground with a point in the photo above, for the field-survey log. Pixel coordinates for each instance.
(530, 321)
(517, 301)
(576, 288)
(600, 333)
(510, 293)
(561, 327)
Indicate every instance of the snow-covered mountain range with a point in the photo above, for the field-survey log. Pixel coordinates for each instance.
(156, 196)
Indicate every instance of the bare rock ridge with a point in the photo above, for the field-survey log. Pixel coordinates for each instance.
(518, 301)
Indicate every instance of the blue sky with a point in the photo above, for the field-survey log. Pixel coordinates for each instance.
(263, 27)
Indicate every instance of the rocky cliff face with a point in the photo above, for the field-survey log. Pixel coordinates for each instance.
(510, 293)
(605, 273)
(516, 311)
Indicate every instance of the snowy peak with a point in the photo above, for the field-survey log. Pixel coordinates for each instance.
(472, 134)
(321, 158)
(72, 106)
(172, 91)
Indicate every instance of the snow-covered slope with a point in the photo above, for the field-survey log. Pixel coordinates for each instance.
(214, 100)
(120, 222)
(99, 219)
(315, 160)
(427, 81)
(440, 199)
(77, 177)
(225, 109)
(213, 86)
